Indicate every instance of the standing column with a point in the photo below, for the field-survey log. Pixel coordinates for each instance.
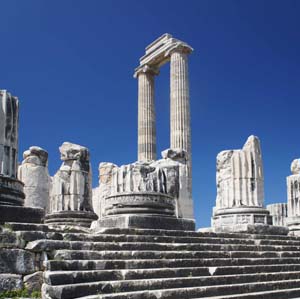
(180, 99)
(180, 119)
(146, 114)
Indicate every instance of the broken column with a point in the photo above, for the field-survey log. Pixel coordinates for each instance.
(11, 189)
(71, 194)
(293, 195)
(240, 191)
(33, 172)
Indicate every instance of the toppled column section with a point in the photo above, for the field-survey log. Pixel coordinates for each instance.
(71, 195)
(293, 195)
(33, 172)
(278, 211)
(240, 192)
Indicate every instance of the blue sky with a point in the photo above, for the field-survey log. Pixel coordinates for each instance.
(71, 64)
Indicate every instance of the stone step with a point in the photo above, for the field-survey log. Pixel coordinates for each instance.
(75, 265)
(205, 292)
(73, 277)
(29, 236)
(175, 239)
(157, 232)
(105, 287)
(16, 226)
(99, 255)
(50, 245)
(19, 226)
(276, 294)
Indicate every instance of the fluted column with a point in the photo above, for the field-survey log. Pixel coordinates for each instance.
(180, 100)
(180, 134)
(146, 114)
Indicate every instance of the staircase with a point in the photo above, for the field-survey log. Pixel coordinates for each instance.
(148, 264)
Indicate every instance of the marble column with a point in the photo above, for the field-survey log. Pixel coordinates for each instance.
(146, 113)
(180, 99)
(180, 120)
(9, 119)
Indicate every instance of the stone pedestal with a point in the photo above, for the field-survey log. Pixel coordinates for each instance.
(147, 222)
(143, 195)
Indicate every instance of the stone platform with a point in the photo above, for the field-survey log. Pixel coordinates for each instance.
(146, 222)
(77, 218)
(21, 214)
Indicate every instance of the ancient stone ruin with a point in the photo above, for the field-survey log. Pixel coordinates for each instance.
(33, 172)
(293, 195)
(240, 191)
(133, 236)
(71, 194)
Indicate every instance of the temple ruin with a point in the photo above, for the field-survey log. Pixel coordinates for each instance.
(134, 235)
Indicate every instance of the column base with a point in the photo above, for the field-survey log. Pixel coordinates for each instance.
(144, 221)
(11, 191)
(21, 214)
(252, 220)
(71, 218)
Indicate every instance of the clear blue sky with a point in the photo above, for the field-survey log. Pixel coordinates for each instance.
(71, 63)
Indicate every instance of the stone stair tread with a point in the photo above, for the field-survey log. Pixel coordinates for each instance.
(260, 295)
(68, 291)
(208, 276)
(178, 239)
(69, 254)
(52, 277)
(159, 263)
(132, 231)
(188, 293)
(45, 244)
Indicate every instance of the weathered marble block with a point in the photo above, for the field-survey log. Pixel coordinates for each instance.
(71, 194)
(293, 195)
(278, 211)
(240, 191)
(33, 172)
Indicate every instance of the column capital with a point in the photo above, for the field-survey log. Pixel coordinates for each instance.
(153, 70)
(179, 47)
